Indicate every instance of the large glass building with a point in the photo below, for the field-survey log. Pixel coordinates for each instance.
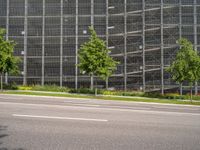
(141, 34)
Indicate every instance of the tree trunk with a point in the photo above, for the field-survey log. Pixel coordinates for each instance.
(106, 83)
(1, 82)
(191, 93)
(6, 78)
(92, 82)
(181, 89)
(196, 88)
(96, 89)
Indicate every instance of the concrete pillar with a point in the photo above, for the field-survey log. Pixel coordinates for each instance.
(25, 43)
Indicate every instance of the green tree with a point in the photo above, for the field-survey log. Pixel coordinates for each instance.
(94, 58)
(186, 66)
(8, 62)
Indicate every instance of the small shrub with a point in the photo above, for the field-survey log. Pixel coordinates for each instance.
(173, 96)
(10, 86)
(122, 93)
(82, 91)
(153, 95)
(51, 88)
(107, 92)
(194, 97)
(25, 88)
(132, 93)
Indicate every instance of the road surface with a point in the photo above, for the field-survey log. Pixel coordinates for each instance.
(44, 123)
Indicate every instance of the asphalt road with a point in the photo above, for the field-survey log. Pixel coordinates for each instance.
(44, 123)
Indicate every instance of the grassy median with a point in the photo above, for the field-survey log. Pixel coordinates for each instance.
(130, 99)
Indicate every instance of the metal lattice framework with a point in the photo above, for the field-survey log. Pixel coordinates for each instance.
(141, 34)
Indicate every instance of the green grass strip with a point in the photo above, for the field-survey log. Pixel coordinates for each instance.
(129, 99)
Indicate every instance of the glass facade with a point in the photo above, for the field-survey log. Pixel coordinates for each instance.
(141, 34)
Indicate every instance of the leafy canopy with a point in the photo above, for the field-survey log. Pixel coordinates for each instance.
(8, 62)
(186, 66)
(94, 57)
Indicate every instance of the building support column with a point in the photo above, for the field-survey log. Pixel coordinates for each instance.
(180, 35)
(143, 46)
(92, 13)
(125, 45)
(43, 41)
(76, 42)
(7, 31)
(195, 37)
(25, 43)
(92, 24)
(107, 80)
(61, 43)
(162, 48)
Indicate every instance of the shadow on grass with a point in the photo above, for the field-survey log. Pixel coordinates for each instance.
(4, 135)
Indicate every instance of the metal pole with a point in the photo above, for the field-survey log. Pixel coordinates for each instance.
(125, 45)
(195, 37)
(43, 41)
(25, 43)
(143, 44)
(61, 43)
(7, 32)
(76, 69)
(162, 49)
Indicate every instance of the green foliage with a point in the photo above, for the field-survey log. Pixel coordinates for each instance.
(8, 62)
(173, 96)
(83, 91)
(10, 86)
(94, 58)
(25, 87)
(107, 92)
(186, 66)
(122, 93)
(153, 95)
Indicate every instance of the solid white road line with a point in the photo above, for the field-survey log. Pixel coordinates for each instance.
(86, 105)
(133, 108)
(60, 118)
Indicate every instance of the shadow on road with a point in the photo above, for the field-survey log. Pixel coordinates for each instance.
(4, 135)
